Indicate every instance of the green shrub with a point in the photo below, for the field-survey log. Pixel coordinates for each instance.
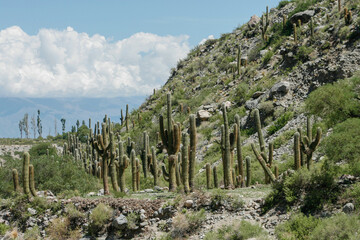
(343, 143)
(335, 102)
(41, 149)
(280, 122)
(83, 133)
(353, 193)
(60, 229)
(312, 188)
(99, 217)
(298, 227)
(267, 57)
(32, 233)
(340, 226)
(186, 223)
(3, 228)
(241, 93)
(242, 230)
(303, 53)
(282, 4)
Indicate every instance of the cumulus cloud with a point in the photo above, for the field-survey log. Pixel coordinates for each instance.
(67, 63)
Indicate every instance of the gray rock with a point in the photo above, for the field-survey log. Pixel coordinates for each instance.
(158, 189)
(304, 16)
(263, 52)
(32, 211)
(251, 104)
(189, 203)
(257, 94)
(203, 115)
(280, 88)
(348, 208)
(120, 222)
(254, 20)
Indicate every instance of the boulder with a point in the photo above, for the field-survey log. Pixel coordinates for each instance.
(280, 88)
(254, 20)
(203, 115)
(348, 208)
(120, 222)
(188, 203)
(251, 104)
(304, 16)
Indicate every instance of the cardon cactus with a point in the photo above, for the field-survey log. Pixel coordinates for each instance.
(238, 149)
(264, 23)
(248, 171)
(308, 146)
(172, 172)
(216, 183)
(261, 157)
(192, 151)
(225, 146)
(185, 162)
(297, 156)
(133, 169)
(208, 176)
(177, 170)
(26, 184)
(105, 146)
(153, 166)
(127, 117)
(145, 152)
(16, 180)
(137, 174)
(32, 180)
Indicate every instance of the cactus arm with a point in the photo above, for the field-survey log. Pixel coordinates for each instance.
(263, 163)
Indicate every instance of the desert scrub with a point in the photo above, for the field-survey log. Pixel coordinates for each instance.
(335, 102)
(41, 149)
(353, 194)
(32, 233)
(280, 122)
(186, 223)
(303, 53)
(99, 217)
(312, 188)
(3, 228)
(298, 227)
(242, 230)
(283, 138)
(60, 229)
(343, 144)
(267, 57)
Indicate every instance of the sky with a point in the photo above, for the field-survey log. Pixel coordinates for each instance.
(107, 48)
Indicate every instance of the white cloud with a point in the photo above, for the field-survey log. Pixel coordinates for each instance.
(69, 64)
(205, 39)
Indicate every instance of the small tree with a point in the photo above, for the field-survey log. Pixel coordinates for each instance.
(33, 125)
(39, 125)
(63, 121)
(21, 127)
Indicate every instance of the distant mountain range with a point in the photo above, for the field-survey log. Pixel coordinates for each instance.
(12, 110)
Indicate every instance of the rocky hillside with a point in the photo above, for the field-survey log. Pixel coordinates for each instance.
(306, 44)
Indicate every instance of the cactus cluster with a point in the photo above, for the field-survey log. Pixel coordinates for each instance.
(28, 177)
(264, 24)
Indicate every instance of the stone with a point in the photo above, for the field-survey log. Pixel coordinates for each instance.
(203, 115)
(227, 104)
(254, 20)
(348, 208)
(263, 52)
(31, 211)
(120, 222)
(189, 203)
(251, 104)
(304, 16)
(257, 94)
(158, 189)
(280, 88)
(149, 190)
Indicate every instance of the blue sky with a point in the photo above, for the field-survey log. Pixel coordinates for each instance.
(120, 19)
(73, 51)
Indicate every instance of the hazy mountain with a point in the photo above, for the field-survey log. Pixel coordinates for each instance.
(12, 110)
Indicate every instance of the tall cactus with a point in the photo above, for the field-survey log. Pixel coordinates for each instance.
(153, 166)
(238, 64)
(308, 146)
(216, 183)
(248, 171)
(261, 157)
(177, 170)
(208, 176)
(264, 23)
(145, 154)
(16, 180)
(138, 174)
(192, 151)
(185, 162)
(133, 169)
(225, 146)
(297, 156)
(104, 145)
(26, 162)
(170, 138)
(32, 180)
(123, 164)
(239, 152)
(127, 117)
